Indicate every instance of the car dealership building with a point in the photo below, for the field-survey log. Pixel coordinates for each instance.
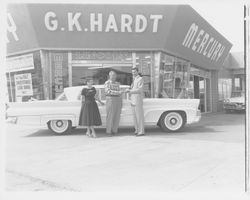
(50, 47)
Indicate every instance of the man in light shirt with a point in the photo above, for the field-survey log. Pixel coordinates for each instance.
(137, 95)
(113, 103)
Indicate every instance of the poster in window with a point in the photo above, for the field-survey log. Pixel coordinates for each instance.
(23, 85)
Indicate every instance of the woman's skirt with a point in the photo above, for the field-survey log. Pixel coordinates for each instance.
(90, 115)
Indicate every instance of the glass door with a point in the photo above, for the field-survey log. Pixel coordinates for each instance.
(199, 88)
(202, 94)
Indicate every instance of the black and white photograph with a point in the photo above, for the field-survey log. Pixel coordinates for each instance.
(120, 97)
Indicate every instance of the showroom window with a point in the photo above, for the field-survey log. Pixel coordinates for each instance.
(25, 81)
(97, 64)
(224, 88)
(145, 63)
(173, 78)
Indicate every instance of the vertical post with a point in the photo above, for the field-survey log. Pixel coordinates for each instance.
(157, 60)
(246, 66)
(134, 59)
(45, 83)
(11, 93)
(50, 76)
(70, 67)
(174, 76)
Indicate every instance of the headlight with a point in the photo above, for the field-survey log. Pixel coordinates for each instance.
(226, 101)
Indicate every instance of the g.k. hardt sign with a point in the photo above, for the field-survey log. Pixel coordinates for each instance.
(97, 23)
(123, 23)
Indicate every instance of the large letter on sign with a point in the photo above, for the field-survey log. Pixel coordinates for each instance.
(190, 35)
(11, 26)
(73, 21)
(50, 22)
(140, 23)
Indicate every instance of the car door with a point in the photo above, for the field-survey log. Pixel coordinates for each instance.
(126, 113)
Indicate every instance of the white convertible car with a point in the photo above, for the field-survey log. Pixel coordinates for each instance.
(62, 114)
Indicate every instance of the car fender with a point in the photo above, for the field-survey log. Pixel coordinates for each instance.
(153, 115)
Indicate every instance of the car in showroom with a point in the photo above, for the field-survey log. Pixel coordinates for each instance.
(62, 114)
(235, 103)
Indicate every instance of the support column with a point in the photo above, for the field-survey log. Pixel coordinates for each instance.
(214, 90)
(70, 68)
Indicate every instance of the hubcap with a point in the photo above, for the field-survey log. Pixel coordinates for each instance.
(59, 126)
(59, 123)
(173, 121)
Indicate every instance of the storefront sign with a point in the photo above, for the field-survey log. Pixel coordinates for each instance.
(100, 23)
(23, 85)
(175, 29)
(195, 40)
(102, 55)
(202, 43)
(20, 63)
(86, 26)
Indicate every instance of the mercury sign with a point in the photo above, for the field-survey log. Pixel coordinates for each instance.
(97, 23)
(23, 84)
(202, 43)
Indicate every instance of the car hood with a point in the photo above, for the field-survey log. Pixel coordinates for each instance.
(237, 100)
(43, 103)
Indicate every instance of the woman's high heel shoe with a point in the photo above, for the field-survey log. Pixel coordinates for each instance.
(88, 134)
(93, 135)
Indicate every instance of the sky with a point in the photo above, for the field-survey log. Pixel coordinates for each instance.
(225, 18)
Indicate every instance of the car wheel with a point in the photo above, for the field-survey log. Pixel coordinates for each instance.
(171, 121)
(60, 127)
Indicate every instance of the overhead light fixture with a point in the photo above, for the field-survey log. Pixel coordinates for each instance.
(128, 58)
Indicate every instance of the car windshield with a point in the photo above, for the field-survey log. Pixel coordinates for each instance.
(62, 97)
(72, 95)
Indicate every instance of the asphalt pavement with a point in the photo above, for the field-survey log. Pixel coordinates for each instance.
(208, 155)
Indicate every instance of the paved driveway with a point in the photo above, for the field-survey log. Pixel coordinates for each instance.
(208, 155)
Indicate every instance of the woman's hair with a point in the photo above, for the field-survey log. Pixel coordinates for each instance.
(88, 80)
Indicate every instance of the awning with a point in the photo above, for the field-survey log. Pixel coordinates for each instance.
(175, 29)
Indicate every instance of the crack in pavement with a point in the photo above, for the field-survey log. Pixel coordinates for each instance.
(43, 181)
(201, 175)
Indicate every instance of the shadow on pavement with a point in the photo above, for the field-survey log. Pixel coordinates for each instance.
(150, 131)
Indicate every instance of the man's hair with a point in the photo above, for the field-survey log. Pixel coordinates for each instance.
(112, 71)
(135, 68)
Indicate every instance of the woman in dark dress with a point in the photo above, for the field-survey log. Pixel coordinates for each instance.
(90, 115)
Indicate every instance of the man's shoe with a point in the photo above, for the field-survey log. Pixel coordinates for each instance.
(138, 135)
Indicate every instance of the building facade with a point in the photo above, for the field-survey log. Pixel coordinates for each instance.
(232, 78)
(51, 47)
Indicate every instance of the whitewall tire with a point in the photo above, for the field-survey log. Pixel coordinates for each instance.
(172, 121)
(60, 127)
